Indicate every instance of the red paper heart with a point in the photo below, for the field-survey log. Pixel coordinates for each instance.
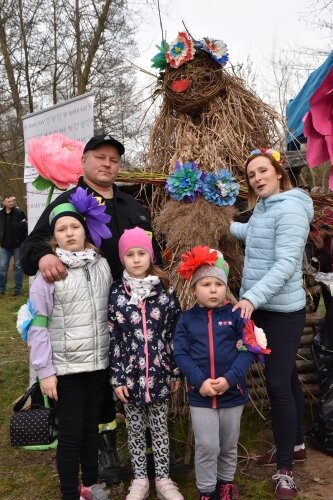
(180, 85)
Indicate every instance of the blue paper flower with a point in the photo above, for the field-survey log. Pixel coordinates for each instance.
(25, 316)
(185, 184)
(220, 188)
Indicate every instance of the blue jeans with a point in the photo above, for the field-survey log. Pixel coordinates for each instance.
(5, 256)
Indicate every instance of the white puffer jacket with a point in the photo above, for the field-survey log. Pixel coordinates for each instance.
(78, 324)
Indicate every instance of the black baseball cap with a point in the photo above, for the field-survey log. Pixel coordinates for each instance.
(97, 140)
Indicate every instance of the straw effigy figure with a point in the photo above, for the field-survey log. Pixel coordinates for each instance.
(207, 125)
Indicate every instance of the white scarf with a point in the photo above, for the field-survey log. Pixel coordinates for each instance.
(76, 259)
(141, 288)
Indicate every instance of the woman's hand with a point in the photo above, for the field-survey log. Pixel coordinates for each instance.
(48, 386)
(246, 308)
(122, 393)
(174, 386)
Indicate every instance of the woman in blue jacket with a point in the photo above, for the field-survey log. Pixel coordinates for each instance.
(272, 294)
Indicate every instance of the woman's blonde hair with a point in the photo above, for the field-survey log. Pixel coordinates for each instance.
(285, 183)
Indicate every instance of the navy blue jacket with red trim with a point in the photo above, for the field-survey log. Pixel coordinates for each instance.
(205, 345)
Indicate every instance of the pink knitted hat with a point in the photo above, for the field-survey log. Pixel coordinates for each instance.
(135, 237)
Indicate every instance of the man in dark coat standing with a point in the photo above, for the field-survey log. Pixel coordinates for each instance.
(13, 230)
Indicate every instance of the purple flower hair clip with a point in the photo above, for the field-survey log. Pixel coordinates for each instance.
(94, 215)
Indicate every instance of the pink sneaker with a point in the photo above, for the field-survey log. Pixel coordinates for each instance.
(94, 492)
(139, 489)
(166, 489)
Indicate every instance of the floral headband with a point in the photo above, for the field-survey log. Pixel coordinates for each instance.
(269, 151)
(183, 49)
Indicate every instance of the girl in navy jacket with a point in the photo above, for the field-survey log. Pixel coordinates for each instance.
(207, 350)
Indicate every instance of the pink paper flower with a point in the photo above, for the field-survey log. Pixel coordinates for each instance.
(57, 159)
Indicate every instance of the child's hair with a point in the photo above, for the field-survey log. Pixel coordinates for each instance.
(163, 275)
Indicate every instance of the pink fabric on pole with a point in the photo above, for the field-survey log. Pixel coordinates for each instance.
(318, 126)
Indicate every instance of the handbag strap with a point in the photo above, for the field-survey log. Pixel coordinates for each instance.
(21, 402)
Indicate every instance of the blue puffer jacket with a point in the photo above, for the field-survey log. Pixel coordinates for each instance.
(204, 346)
(275, 237)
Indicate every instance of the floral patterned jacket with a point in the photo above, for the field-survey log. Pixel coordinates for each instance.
(141, 343)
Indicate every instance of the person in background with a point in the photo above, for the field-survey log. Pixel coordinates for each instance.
(272, 294)
(206, 350)
(101, 162)
(69, 346)
(142, 315)
(13, 231)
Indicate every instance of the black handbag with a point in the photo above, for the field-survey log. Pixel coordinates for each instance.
(34, 425)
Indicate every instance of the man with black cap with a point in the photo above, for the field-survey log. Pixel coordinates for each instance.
(101, 162)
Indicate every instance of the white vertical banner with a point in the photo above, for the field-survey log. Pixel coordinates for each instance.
(74, 119)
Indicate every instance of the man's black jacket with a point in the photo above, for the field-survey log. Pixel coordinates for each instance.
(125, 212)
(18, 227)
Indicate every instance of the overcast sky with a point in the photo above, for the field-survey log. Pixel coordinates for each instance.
(249, 27)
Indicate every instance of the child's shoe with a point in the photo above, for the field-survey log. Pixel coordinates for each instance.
(208, 496)
(285, 485)
(269, 458)
(139, 489)
(166, 489)
(226, 491)
(94, 492)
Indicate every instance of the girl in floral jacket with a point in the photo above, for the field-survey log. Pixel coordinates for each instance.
(143, 311)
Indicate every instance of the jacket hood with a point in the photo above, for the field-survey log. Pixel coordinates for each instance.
(296, 195)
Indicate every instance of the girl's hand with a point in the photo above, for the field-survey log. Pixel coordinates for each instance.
(174, 386)
(246, 308)
(220, 385)
(48, 386)
(122, 393)
(207, 388)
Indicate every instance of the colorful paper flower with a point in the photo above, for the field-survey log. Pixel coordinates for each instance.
(276, 155)
(216, 48)
(57, 159)
(181, 50)
(94, 214)
(185, 184)
(25, 316)
(159, 60)
(220, 188)
(254, 340)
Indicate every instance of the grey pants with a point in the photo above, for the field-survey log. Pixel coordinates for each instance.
(157, 416)
(216, 433)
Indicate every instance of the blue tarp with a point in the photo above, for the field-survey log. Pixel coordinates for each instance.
(299, 106)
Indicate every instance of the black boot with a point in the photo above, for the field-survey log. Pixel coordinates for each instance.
(108, 459)
(208, 496)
